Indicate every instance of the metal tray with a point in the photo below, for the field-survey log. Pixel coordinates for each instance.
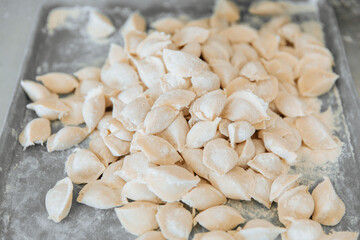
(26, 176)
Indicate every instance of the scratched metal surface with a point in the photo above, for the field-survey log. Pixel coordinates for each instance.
(26, 176)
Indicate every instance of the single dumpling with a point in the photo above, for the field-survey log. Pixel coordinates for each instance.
(158, 119)
(209, 106)
(240, 33)
(171, 81)
(246, 151)
(119, 75)
(93, 108)
(36, 131)
(117, 146)
(268, 164)
(99, 148)
(303, 229)
(194, 159)
(177, 99)
(224, 70)
(50, 108)
(88, 74)
(138, 217)
(175, 221)
(66, 138)
(58, 200)
(193, 48)
(267, 45)
(110, 177)
(203, 196)
(83, 166)
(153, 44)
(267, 8)
(36, 91)
(282, 184)
(219, 218)
(60, 83)
(201, 133)
(219, 156)
(98, 195)
(135, 22)
(116, 128)
(151, 69)
(316, 81)
(206, 81)
(329, 208)
(261, 189)
(135, 167)
(290, 105)
(254, 71)
(170, 182)
(168, 25)
(74, 116)
(260, 229)
(239, 131)
(99, 26)
(189, 35)
(295, 203)
(137, 191)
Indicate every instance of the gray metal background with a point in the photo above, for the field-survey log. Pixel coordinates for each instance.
(25, 177)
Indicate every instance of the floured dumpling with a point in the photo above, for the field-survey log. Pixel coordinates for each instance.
(99, 26)
(194, 159)
(261, 190)
(282, 184)
(93, 108)
(137, 191)
(36, 131)
(268, 164)
(303, 229)
(88, 74)
(135, 167)
(56, 82)
(50, 108)
(240, 131)
(58, 200)
(201, 133)
(35, 91)
(260, 229)
(110, 177)
(209, 106)
(152, 235)
(66, 138)
(315, 82)
(99, 148)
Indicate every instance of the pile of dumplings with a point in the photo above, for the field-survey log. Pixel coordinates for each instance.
(194, 113)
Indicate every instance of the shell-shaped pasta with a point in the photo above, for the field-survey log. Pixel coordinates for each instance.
(167, 25)
(267, 45)
(267, 8)
(283, 72)
(118, 130)
(110, 177)
(152, 235)
(314, 133)
(206, 81)
(134, 113)
(176, 133)
(209, 106)
(303, 229)
(158, 119)
(50, 108)
(261, 190)
(267, 89)
(35, 91)
(260, 229)
(58, 82)
(239, 131)
(295, 203)
(224, 70)
(245, 106)
(116, 146)
(177, 99)
(93, 108)
(99, 26)
(175, 221)
(236, 184)
(135, 167)
(137, 191)
(74, 116)
(341, 236)
(219, 218)
(58, 200)
(97, 194)
(316, 81)
(228, 10)
(135, 22)
(240, 33)
(190, 34)
(156, 149)
(193, 48)
(152, 44)
(183, 64)
(254, 71)
(329, 208)
(280, 146)
(290, 105)
(219, 156)
(282, 184)
(117, 54)
(82, 166)
(201, 133)
(213, 235)
(66, 138)
(194, 159)
(151, 69)
(170, 182)
(268, 164)
(99, 148)
(88, 74)
(36, 131)
(132, 40)
(138, 217)
(119, 75)
(203, 196)
(246, 151)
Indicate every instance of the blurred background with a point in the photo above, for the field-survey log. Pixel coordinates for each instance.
(18, 17)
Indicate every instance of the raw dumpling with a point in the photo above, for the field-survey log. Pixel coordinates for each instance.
(290, 105)
(116, 146)
(228, 10)
(138, 217)
(246, 151)
(110, 177)
(153, 44)
(97, 194)
(282, 184)
(167, 25)
(135, 167)
(214, 235)
(194, 159)
(177, 99)
(134, 113)
(137, 191)
(239, 131)
(135, 22)
(268, 164)
(261, 190)
(50, 108)
(66, 138)
(93, 108)
(254, 71)
(152, 235)
(99, 148)
(206, 81)
(158, 119)
(170, 182)
(119, 76)
(58, 200)
(151, 69)
(316, 81)
(83, 166)
(35, 132)
(296, 203)
(56, 82)
(209, 106)
(260, 229)
(201, 133)
(74, 116)
(329, 208)
(219, 218)
(35, 91)
(240, 33)
(175, 221)
(303, 229)
(203, 196)
(88, 74)
(99, 26)
(189, 35)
